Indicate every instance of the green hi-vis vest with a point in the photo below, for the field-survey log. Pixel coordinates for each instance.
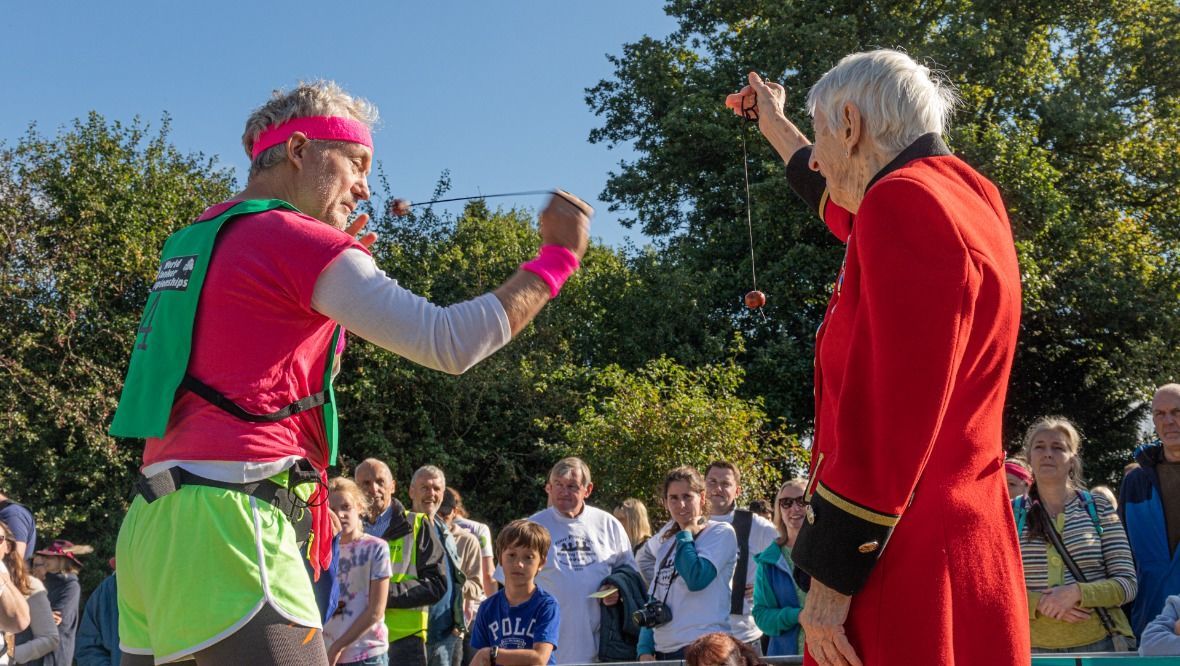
(403, 560)
(163, 341)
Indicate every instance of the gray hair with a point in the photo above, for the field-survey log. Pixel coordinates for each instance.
(572, 464)
(898, 98)
(317, 98)
(429, 471)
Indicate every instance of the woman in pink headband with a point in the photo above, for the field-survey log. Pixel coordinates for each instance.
(1019, 476)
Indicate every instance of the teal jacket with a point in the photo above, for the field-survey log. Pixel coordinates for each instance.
(778, 601)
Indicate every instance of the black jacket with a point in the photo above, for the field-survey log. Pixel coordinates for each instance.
(618, 634)
(431, 584)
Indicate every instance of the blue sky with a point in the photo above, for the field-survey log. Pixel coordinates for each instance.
(493, 91)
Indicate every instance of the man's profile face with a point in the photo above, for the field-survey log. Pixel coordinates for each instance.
(333, 178)
(721, 489)
(567, 493)
(376, 482)
(1165, 414)
(426, 493)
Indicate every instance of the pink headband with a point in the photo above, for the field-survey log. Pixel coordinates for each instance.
(331, 128)
(1018, 471)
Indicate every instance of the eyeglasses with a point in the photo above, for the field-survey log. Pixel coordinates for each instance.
(786, 502)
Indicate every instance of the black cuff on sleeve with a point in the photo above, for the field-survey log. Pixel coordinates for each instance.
(808, 184)
(840, 541)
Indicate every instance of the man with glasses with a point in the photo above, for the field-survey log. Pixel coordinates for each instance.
(586, 545)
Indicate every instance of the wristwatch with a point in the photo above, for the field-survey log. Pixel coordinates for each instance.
(495, 653)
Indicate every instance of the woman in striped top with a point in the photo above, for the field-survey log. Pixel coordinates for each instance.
(1061, 609)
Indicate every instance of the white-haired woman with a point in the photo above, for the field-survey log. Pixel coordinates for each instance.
(912, 366)
(778, 599)
(1064, 616)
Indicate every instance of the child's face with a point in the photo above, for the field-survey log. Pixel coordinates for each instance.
(347, 511)
(520, 564)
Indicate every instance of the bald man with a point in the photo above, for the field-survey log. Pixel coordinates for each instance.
(1149, 501)
(416, 555)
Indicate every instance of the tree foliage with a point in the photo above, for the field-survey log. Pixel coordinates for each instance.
(83, 215)
(1071, 108)
(638, 425)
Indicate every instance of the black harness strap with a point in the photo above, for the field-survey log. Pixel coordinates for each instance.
(215, 398)
(283, 498)
(742, 522)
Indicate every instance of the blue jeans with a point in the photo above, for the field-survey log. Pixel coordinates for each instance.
(444, 651)
(379, 660)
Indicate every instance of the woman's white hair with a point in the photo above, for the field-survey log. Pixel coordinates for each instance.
(898, 98)
(317, 98)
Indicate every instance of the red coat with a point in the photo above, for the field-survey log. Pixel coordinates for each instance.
(910, 509)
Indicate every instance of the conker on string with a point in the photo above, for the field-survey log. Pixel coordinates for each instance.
(399, 207)
(755, 300)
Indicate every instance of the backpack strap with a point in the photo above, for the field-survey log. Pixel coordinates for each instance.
(1020, 513)
(742, 522)
(1088, 500)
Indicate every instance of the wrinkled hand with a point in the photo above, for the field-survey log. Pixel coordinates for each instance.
(613, 598)
(767, 97)
(56, 617)
(647, 657)
(565, 221)
(355, 228)
(823, 616)
(749, 591)
(1056, 602)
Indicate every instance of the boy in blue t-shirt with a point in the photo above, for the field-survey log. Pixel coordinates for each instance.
(518, 625)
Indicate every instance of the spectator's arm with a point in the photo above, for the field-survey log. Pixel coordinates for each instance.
(537, 656)
(696, 571)
(1159, 637)
(431, 584)
(45, 636)
(771, 619)
(14, 608)
(1121, 584)
(488, 567)
(647, 642)
(67, 605)
(88, 648)
(374, 612)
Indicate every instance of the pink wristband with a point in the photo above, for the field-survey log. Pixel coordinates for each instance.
(554, 264)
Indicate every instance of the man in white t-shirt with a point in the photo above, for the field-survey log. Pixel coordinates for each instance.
(722, 487)
(587, 543)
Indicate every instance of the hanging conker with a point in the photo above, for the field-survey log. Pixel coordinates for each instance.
(399, 207)
(755, 300)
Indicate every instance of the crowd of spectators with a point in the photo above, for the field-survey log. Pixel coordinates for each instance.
(715, 584)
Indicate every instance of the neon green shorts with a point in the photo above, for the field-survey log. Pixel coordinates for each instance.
(197, 564)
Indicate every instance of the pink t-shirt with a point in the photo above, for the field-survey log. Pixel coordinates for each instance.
(257, 341)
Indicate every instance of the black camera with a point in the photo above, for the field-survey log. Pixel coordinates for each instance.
(654, 614)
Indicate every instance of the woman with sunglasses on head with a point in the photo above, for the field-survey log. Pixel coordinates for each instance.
(777, 598)
(40, 638)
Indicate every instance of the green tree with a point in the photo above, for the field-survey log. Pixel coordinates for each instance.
(1071, 108)
(638, 425)
(83, 214)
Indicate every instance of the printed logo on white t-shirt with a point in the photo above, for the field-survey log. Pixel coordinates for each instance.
(575, 552)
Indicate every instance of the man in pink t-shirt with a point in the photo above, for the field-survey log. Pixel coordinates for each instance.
(210, 570)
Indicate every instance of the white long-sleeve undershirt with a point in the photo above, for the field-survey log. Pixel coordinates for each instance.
(357, 294)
